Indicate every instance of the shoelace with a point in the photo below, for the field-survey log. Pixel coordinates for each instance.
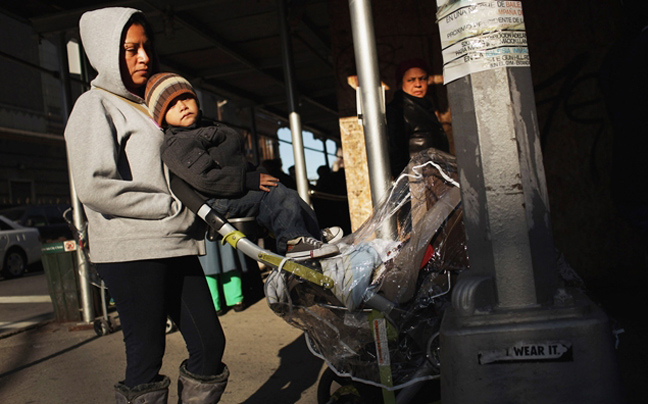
(312, 241)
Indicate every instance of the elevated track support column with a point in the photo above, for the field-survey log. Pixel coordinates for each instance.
(294, 117)
(373, 106)
(515, 333)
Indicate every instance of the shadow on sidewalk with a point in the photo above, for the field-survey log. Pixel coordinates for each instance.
(48, 357)
(297, 371)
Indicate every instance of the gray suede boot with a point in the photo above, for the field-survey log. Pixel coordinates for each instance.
(149, 393)
(196, 389)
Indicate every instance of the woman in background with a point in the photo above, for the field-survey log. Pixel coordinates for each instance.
(412, 125)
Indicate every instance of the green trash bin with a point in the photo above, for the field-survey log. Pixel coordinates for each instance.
(60, 265)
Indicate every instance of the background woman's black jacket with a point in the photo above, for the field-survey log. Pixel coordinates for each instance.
(412, 126)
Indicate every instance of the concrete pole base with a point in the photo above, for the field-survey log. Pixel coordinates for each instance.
(557, 354)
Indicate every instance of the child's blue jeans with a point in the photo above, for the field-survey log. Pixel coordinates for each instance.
(281, 211)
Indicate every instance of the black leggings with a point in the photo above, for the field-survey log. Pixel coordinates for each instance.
(145, 292)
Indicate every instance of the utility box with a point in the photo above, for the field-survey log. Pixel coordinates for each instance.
(60, 265)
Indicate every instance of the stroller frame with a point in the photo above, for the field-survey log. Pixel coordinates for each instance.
(385, 311)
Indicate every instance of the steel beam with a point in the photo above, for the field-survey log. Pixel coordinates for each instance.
(294, 118)
(373, 106)
(78, 218)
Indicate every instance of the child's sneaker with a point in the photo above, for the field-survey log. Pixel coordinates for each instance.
(303, 248)
(332, 234)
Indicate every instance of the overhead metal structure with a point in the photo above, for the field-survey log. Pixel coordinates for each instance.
(230, 47)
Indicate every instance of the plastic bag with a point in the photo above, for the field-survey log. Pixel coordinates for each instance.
(392, 282)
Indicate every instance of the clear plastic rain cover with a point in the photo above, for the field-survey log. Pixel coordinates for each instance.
(379, 323)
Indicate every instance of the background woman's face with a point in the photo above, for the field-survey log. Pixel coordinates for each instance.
(415, 82)
(136, 62)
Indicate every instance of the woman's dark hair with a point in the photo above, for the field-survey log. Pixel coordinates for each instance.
(408, 64)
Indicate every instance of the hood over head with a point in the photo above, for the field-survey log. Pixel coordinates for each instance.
(102, 34)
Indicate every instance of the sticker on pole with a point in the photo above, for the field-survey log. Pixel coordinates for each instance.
(556, 351)
(69, 245)
(481, 35)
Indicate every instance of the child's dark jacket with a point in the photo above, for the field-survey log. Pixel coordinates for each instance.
(211, 158)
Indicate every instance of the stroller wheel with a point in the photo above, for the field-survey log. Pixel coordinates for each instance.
(333, 389)
(170, 326)
(102, 327)
(434, 351)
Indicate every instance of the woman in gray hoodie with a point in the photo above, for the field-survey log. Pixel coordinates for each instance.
(143, 241)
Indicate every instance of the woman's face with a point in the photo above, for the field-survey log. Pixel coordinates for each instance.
(415, 82)
(136, 62)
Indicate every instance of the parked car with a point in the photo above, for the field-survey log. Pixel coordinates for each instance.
(48, 219)
(19, 247)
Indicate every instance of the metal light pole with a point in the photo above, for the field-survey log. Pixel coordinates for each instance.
(514, 333)
(78, 218)
(373, 107)
(293, 116)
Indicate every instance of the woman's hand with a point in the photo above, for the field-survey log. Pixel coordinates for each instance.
(266, 181)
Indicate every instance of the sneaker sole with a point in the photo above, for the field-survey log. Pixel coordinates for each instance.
(322, 252)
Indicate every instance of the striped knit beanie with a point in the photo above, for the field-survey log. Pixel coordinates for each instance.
(161, 90)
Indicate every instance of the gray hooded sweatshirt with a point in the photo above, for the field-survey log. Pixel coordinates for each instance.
(114, 156)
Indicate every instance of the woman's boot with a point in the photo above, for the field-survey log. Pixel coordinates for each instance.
(196, 389)
(149, 393)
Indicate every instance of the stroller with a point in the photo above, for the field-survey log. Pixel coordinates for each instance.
(373, 312)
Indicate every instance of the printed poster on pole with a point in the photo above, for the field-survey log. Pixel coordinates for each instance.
(481, 35)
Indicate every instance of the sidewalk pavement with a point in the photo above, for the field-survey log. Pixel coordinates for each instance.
(54, 363)
(24, 302)
(58, 363)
